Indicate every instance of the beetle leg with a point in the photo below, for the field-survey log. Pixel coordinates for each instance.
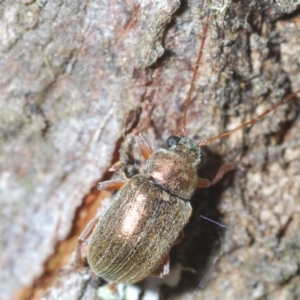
(163, 269)
(179, 238)
(144, 146)
(203, 183)
(83, 237)
(227, 167)
(110, 185)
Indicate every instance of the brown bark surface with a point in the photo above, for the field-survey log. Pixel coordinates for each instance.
(74, 82)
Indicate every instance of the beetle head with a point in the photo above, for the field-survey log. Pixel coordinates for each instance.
(185, 148)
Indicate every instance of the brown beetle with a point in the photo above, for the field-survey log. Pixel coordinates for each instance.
(147, 216)
(133, 237)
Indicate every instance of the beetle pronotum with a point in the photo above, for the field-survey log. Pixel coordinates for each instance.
(133, 237)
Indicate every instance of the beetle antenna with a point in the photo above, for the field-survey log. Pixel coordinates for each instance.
(196, 68)
(215, 222)
(252, 121)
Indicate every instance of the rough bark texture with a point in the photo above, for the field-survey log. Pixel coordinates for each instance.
(73, 81)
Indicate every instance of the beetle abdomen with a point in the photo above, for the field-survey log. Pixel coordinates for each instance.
(136, 232)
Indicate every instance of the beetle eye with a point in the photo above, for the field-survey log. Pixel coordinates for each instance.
(173, 140)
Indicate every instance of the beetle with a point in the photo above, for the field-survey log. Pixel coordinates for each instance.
(133, 237)
(146, 218)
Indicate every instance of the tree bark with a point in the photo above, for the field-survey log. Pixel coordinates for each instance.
(78, 76)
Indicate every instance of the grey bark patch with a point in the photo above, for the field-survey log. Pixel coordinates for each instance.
(151, 47)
